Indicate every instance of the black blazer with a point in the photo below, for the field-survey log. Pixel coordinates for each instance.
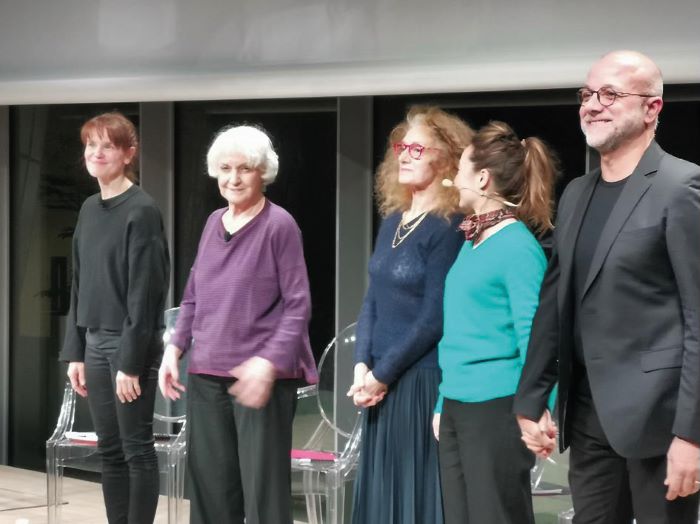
(639, 313)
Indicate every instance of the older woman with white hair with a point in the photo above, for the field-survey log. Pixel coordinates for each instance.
(247, 305)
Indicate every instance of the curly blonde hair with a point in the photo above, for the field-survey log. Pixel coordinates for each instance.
(453, 136)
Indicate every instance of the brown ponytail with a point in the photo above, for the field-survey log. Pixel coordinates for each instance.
(523, 172)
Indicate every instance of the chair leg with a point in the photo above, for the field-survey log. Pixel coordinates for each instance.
(175, 486)
(178, 486)
(313, 508)
(566, 516)
(54, 486)
(339, 495)
(313, 502)
(333, 501)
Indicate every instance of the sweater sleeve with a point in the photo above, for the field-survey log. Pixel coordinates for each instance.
(365, 326)
(182, 334)
(74, 342)
(536, 387)
(282, 348)
(148, 274)
(424, 334)
(523, 280)
(523, 283)
(366, 320)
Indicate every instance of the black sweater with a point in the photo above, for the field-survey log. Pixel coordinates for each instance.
(121, 270)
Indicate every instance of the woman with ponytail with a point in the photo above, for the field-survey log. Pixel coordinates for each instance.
(491, 294)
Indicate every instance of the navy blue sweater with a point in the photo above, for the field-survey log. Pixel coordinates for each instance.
(400, 322)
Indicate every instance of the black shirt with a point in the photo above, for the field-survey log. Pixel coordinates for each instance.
(605, 195)
(121, 270)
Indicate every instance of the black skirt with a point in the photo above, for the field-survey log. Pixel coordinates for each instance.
(398, 481)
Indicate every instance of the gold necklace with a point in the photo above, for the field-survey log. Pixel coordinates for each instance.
(403, 230)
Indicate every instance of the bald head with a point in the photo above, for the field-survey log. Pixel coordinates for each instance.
(630, 115)
(636, 67)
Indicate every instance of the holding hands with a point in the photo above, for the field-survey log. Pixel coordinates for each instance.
(540, 436)
(366, 390)
(682, 472)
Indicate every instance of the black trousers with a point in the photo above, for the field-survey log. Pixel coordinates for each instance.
(238, 458)
(130, 478)
(607, 488)
(484, 466)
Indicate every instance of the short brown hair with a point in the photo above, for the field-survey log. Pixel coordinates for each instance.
(121, 132)
(453, 134)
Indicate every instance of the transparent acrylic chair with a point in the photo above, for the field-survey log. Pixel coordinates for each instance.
(69, 448)
(329, 458)
(556, 472)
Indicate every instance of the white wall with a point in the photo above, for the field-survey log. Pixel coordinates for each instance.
(56, 51)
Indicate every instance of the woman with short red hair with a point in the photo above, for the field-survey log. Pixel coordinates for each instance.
(113, 337)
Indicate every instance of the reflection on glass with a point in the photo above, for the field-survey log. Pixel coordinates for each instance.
(47, 187)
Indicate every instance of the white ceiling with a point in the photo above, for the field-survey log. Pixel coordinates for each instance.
(54, 51)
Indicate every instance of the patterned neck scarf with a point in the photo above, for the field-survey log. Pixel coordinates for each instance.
(474, 225)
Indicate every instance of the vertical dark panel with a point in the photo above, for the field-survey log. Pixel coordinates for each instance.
(4, 280)
(304, 135)
(48, 184)
(354, 206)
(156, 165)
(679, 127)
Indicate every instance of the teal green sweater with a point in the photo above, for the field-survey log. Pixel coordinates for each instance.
(491, 294)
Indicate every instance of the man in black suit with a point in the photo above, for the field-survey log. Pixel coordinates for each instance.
(618, 325)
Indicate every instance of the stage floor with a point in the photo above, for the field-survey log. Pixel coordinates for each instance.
(23, 496)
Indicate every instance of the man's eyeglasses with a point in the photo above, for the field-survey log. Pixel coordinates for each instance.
(415, 150)
(606, 96)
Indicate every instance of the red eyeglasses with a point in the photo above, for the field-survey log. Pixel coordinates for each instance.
(415, 150)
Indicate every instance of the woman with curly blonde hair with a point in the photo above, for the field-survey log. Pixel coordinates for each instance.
(396, 375)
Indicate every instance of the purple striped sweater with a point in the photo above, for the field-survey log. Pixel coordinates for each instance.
(248, 296)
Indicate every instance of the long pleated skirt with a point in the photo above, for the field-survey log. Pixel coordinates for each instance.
(398, 481)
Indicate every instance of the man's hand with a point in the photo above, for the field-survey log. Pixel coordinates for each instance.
(127, 387)
(682, 463)
(256, 378)
(76, 375)
(169, 374)
(540, 436)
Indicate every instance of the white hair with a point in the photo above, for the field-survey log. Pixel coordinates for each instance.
(248, 141)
